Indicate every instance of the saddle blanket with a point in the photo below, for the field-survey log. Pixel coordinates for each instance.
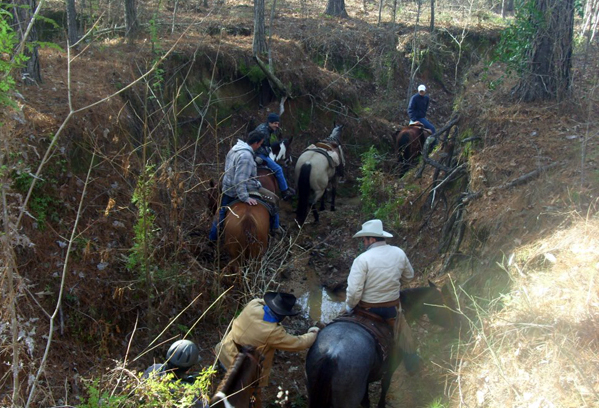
(269, 202)
(334, 160)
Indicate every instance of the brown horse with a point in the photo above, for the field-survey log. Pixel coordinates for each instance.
(408, 143)
(238, 386)
(246, 226)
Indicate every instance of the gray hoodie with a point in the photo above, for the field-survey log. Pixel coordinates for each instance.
(240, 172)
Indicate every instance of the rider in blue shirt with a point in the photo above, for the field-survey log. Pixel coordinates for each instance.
(417, 108)
(268, 130)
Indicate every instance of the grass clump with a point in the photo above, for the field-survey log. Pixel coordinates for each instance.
(536, 344)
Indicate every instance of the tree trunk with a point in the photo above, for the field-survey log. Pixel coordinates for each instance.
(72, 28)
(130, 18)
(548, 74)
(509, 6)
(381, 3)
(22, 16)
(432, 16)
(259, 46)
(394, 11)
(336, 8)
(415, 46)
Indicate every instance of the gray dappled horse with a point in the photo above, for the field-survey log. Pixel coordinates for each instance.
(316, 167)
(345, 359)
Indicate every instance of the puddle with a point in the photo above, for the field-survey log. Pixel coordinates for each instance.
(319, 303)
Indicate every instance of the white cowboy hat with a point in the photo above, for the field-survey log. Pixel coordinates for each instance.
(372, 228)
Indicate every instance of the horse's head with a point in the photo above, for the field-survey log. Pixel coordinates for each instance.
(280, 151)
(444, 313)
(437, 303)
(335, 136)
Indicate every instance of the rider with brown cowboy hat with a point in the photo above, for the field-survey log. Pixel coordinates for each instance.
(375, 280)
(259, 325)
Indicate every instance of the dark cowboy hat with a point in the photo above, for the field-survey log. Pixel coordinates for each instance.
(280, 303)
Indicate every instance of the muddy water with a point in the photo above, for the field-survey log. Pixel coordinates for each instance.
(318, 303)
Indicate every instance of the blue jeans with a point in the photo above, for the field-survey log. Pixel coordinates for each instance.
(427, 124)
(277, 170)
(274, 222)
(225, 201)
(384, 312)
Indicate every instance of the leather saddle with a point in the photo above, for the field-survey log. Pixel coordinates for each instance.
(421, 126)
(266, 198)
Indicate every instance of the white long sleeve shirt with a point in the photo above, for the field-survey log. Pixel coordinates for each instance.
(376, 275)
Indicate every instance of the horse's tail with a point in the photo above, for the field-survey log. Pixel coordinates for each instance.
(250, 230)
(320, 388)
(303, 193)
(402, 142)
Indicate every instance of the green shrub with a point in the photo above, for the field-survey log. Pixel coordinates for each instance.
(379, 195)
(161, 392)
(42, 202)
(515, 45)
(253, 73)
(8, 42)
(144, 228)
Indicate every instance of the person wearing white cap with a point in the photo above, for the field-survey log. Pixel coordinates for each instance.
(374, 283)
(418, 107)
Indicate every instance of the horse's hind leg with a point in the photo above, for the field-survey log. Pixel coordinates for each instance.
(333, 193)
(322, 200)
(315, 213)
(366, 400)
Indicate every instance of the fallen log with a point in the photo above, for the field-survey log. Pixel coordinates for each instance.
(276, 82)
(520, 180)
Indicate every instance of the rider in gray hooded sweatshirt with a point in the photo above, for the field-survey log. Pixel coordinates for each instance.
(240, 177)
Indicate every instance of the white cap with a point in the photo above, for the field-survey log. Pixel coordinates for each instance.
(421, 88)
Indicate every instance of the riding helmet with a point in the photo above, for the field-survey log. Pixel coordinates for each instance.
(183, 354)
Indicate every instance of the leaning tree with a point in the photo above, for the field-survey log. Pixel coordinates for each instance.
(547, 72)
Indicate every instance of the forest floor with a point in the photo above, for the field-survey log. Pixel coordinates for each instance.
(515, 139)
